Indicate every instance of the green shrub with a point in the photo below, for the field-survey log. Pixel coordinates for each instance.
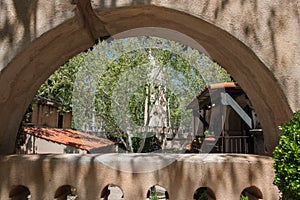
(287, 159)
(242, 197)
(154, 195)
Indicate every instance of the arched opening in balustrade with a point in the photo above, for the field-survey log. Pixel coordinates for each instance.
(19, 192)
(204, 193)
(251, 193)
(66, 192)
(112, 192)
(157, 192)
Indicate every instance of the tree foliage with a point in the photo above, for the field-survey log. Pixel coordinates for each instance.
(287, 159)
(59, 86)
(97, 92)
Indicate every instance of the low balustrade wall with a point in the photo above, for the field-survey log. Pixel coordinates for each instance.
(226, 175)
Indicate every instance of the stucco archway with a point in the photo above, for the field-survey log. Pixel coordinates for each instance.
(36, 55)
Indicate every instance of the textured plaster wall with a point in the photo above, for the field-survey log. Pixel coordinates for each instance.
(256, 41)
(227, 176)
(21, 22)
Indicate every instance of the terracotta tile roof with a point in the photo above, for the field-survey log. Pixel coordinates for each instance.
(222, 85)
(69, 137)
(205, 93)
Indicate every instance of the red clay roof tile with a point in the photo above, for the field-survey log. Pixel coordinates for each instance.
(69, 137)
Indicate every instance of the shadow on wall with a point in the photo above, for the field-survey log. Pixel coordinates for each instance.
(276, 22)
(21, 30)
(250, 25)
(26, 15)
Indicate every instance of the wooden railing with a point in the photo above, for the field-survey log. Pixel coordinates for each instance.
(235, 144)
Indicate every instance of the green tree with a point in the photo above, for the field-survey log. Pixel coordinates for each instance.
(59, 86)
(287, 159)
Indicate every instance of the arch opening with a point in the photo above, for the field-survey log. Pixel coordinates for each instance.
(66, 192)
(19, 192)
(175, 67)
(157, 192)
(231, 53)
(239, 142)
(112, 192)
(251, 193)
(204, 193)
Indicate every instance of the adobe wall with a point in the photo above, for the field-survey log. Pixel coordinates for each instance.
(48, 115)
(226, 175)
